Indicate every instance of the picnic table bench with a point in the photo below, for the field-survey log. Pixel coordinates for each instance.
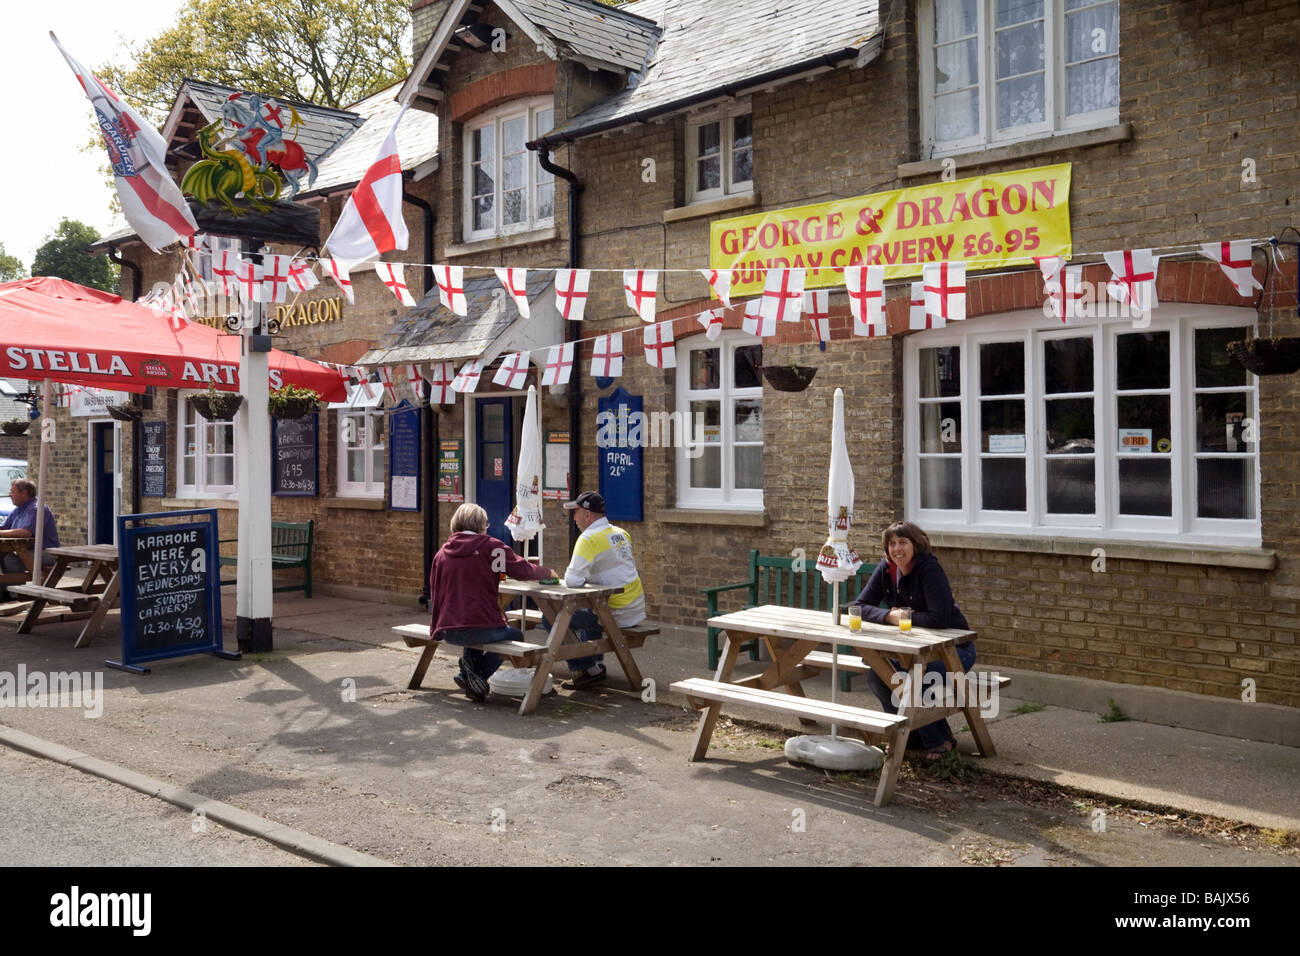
(89, 598)
(290, 548)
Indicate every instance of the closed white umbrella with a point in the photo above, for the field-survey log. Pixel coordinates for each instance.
(525, 521)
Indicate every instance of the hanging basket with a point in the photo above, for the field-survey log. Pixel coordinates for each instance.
(1279, 356)
(222, 407)
(292, 407)
(124, 413)
(789, 378)
(14, 428)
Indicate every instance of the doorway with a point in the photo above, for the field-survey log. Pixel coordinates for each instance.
(494, 453)
(103, 482)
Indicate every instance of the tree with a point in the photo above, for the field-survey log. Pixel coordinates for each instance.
(10, 266)
(63, 254)
(328, 52)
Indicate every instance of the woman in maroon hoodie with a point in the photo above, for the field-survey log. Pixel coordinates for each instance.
(463, 596)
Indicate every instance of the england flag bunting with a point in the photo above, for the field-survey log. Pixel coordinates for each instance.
(371, 223)
(275, 278)
(559, 364)
(659, 349)
(720, 282)
(1133, 278)
(467, 378)
(392, 274)
(223, 269)
(516, 283)
(441, 376)
(197, 242)
(362, 376)
(414, 379)
(782, 295)
(178, 291)
(1235, 259)
(248, 277)
(917, 317)
(711, 319)
(338, 271)
(1064, 290)
(816, 305)
(607, 356)
(571, 292)
(451, 288)
(386, 379)
(639, 287)
(866, 285)
(302, 276)
(945, 290)
(513, 371)
(755, 322)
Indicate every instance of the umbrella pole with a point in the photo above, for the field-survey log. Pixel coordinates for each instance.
(835, 652)
(40, 486)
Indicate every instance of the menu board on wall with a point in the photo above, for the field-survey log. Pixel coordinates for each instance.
(404, 457)
(153, 460)
(294, 456)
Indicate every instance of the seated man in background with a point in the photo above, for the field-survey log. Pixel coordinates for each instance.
(22, 524)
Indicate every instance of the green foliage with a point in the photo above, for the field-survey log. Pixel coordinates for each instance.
(1114, 715)
(63, 254)
(328, 52)
(278, 399)
(1029, 708)
(10, 266)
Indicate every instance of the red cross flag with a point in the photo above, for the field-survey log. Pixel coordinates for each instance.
(711, 319)
(659, 348)
(1234, 258)
(917, 317)
(178, 318)
(866, 285)
(414, 379)
(275, 278)
(607, 356)
(302, 276)
(816, 305)
(339, 273)
(198, 242)
(386, 377)
(451, 288)
(1064, 291)
(467, 377)
(392, 274)
(192, 296)
(754, 322)
(720, 283)
(441, 392)
(559, 364)
(249, 276)
(223, 268)
(362, 375)
(571, 292)
(516, 283)
(371, 223)
(945, 290)
(782, 295)
(1050, 266)
(151, 201)
(513, 371)
(639, 290)
(1133, 278)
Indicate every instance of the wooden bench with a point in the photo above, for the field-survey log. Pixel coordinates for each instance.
(819, 660)
(872, 725)
(290, 548)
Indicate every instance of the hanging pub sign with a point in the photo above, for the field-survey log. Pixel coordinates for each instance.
(153, 460)
(294, 456)
(451, 460)
(170, 580)
(619, 438)
(993, 221)
(404, 457)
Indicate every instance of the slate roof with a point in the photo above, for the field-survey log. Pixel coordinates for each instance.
(593, 30)
(711, 47)
(417, 142)
(430, 333)
(10, 407)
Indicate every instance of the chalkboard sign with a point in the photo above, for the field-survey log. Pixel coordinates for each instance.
(153, 460)
(170, 585)
(294, 456)
(404, 457)
(619, 439)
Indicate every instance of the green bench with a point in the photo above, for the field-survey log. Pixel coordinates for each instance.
(290, 548)
(774, 580)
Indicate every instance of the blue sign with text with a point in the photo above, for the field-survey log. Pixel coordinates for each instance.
(404, 457)
(619, 440)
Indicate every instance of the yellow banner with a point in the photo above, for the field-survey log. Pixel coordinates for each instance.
(1003, 219)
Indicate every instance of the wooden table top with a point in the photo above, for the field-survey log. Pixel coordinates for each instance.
(85, 552)
(554, 592)
(799, 624)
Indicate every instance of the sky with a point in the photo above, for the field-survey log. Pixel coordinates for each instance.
(45, 174)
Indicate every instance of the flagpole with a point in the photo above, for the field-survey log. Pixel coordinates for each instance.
(40, 485)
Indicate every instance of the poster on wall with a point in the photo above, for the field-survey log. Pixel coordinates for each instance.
(294, 456)
(404, 457)
(555, 467)
(153, 460)
(451, 458)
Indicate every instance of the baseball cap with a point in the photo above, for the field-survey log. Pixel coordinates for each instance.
(589, 501)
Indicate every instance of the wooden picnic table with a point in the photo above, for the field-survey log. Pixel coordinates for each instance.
(793, 636)
(88, 598)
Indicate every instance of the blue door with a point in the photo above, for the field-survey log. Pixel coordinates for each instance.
(495, 454)
(103, 483)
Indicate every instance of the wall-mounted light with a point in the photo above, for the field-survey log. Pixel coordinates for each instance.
(477, 36)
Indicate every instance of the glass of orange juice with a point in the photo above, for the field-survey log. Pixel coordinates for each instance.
(904, 618)
(855, 617)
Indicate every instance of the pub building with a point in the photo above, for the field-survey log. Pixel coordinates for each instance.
(1112, 495)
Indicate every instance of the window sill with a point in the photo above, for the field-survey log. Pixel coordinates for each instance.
(359, 504)
(222, 504)
(746, 519)
(711, 207)
(1255, 559)
(501, 242)
(987, 156)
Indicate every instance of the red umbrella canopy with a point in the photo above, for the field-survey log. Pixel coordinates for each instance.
(55, 329)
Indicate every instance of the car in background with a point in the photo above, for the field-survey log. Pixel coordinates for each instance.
(11, 469)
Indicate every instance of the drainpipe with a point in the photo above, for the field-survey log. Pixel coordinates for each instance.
(137, 431)
(428, 418)
(115, 257)
(574, 330)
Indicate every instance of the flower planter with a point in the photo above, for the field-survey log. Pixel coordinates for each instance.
(1279, 356)
(124, 413)
(292, 407)
(789, 378)
(14, 428)
(221, 408)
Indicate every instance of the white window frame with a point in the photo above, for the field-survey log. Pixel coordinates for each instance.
(537, 176)
(1054, 89)
(376, 424)
(726, 497)
(723, 116)
(202, 488)
(1182, 526)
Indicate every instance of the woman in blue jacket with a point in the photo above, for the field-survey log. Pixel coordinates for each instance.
(909, 576)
